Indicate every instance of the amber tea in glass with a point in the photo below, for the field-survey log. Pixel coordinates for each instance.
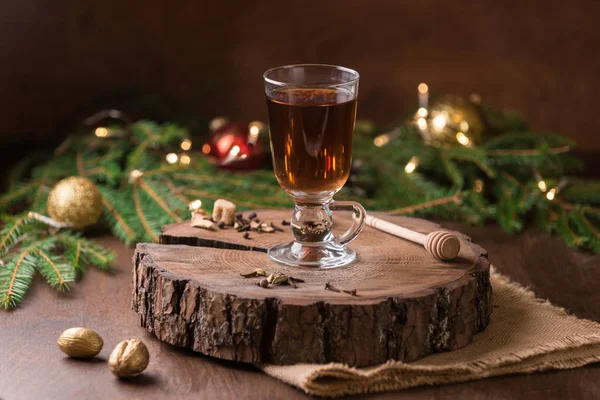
(312, 110)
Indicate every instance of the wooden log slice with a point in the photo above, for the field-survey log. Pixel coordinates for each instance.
(190, 293)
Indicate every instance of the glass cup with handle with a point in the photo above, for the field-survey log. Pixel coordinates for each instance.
(312, 110)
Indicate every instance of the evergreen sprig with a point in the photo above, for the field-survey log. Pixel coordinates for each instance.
(141, 192)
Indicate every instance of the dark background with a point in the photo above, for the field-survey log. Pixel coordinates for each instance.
(540, 57)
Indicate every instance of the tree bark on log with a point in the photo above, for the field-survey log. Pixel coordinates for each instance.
(188, 291)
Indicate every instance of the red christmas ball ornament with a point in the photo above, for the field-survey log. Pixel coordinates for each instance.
(236, 146)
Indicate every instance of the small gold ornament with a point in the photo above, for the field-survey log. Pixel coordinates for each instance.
(75, 201)
(129, 358)
(452, 120)
(80, 343)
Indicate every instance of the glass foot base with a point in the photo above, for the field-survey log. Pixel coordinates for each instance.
(325, 255)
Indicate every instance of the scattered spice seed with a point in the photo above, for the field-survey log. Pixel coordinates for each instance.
(285, 223)
(350, 292)
(221, 224)
(238, 216)
(329, 286)
(247, 235)
(243, 228)
(263, 283)
(252, 215)
(298, 280)
(276, 228)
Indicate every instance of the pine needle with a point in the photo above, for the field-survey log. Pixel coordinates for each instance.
(80, 252)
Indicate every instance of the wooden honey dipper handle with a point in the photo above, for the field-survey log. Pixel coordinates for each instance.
(441, 244)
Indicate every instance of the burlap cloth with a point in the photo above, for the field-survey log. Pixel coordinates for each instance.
(526, 334)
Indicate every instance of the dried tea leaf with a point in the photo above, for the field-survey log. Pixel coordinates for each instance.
(255, 273)
(329, 286)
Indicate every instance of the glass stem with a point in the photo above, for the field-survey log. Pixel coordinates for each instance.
(311, 223)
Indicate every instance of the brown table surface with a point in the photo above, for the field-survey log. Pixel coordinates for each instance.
(32, 367)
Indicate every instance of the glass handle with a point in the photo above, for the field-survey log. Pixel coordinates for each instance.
(358, 220)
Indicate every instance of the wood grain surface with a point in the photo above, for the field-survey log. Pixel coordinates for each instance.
(34, 368)
(408, 304)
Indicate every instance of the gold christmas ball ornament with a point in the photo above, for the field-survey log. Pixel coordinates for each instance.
(452, 120)
(75, 201)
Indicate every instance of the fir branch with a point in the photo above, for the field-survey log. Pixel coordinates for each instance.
(455, 198)
(526, 140)
(528, 152)
(140, 213)
(578, 207)
(12, 231)
(507, 210)
(566, 232)
(158, 200)
(176, 192)
(594, 243)
(119, 226)
(80, 252)
(582, 191)
(102, 171)
(473, 155)
(586, 230)
(96, 256)
(479, 202)
(15, 279)
(465, 213)
(114, 155)
(453, 172)
(57, 274)
(162, 170)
